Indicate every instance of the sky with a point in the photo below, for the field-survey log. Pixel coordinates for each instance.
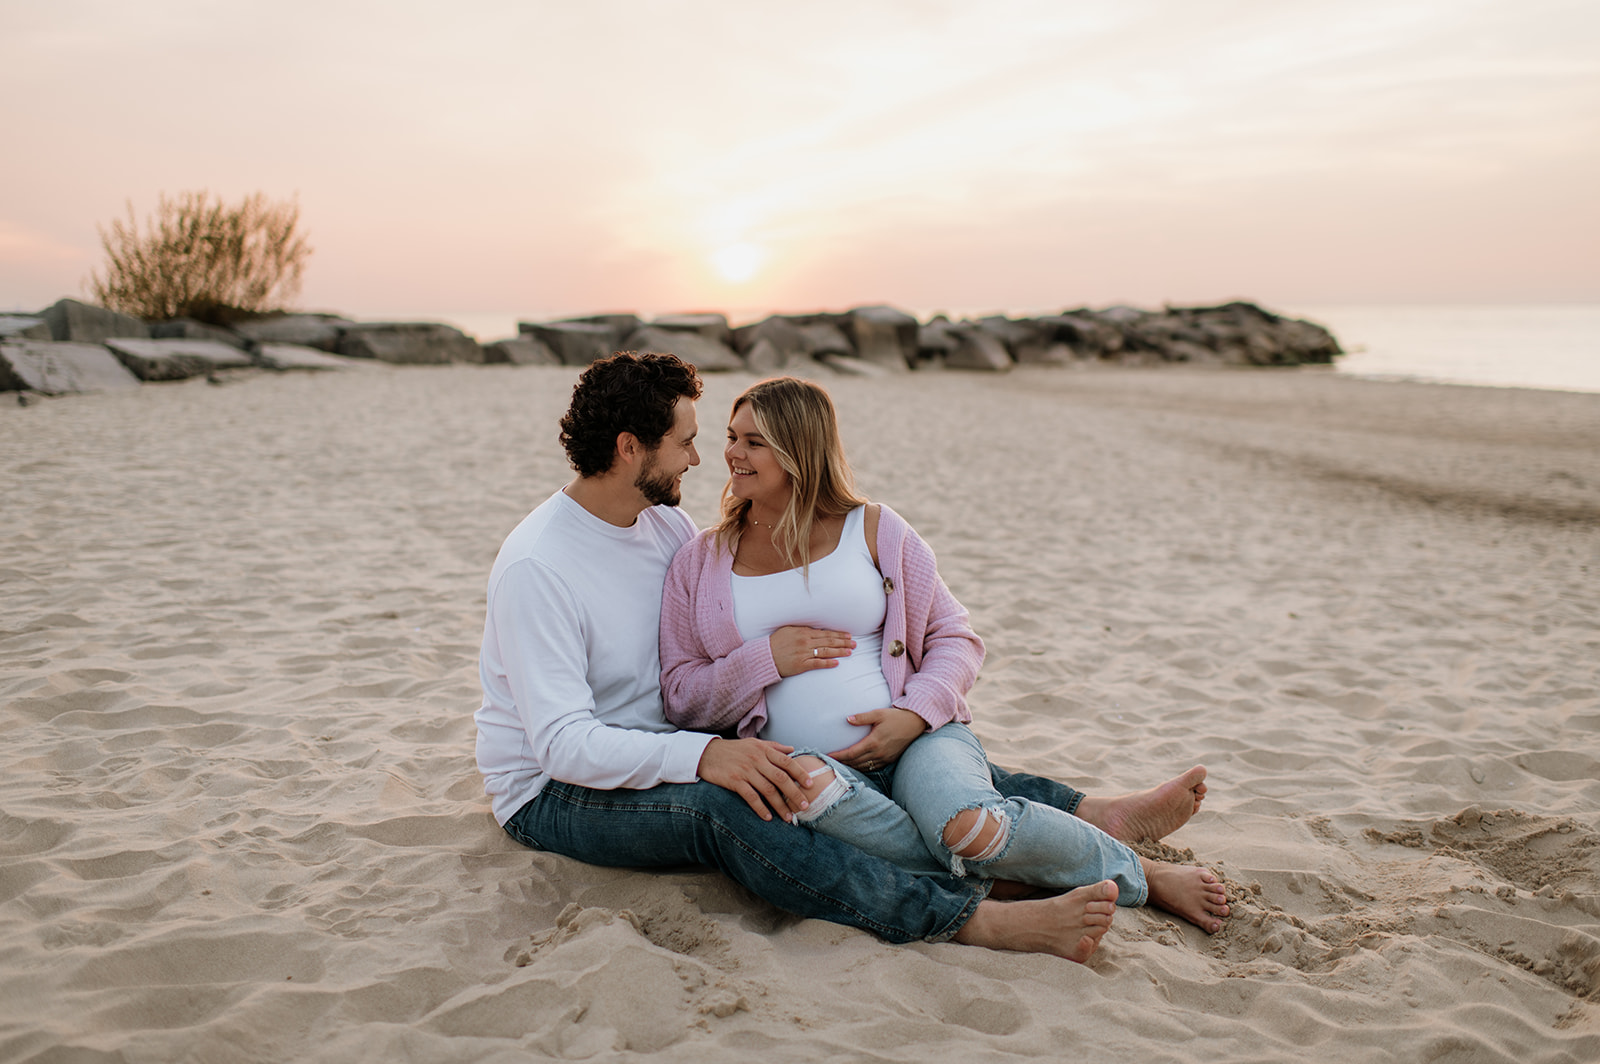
(542, 158)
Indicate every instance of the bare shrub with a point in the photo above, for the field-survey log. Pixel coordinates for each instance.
(201, 258)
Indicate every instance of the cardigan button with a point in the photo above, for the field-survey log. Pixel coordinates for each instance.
(888, 586)
(896, 649)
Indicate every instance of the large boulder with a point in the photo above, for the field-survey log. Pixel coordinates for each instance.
(620, 325)
(935, 341)
(408, 343)
(1310, 343)
(882, 335)
(86, 323)
(1083, 332)
(576, 343)
(189, 329)
(24, 327)
(851, 366)
(824, 337)
(176, 360)
(520, 351)
(713, 327)
(977, 348)
(764, 358)
(61, 368)
(707, 356)
(284, 357)
(1243, 332)
(1029, 341)
(771, 345)
(308, 330)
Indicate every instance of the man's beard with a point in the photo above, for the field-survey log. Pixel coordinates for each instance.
(659, 490)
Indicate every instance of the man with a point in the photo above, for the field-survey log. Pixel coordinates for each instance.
(578, 759)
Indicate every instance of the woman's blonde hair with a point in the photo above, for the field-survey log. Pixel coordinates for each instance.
(797, 420)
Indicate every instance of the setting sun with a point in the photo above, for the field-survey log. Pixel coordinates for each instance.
(737, 263)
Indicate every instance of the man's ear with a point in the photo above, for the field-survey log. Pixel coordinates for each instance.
(628, 448)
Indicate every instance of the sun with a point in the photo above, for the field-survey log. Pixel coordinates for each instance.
(737, 263)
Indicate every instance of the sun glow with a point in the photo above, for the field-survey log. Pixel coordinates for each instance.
(738, 263)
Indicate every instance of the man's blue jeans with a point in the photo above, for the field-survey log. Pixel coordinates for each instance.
(791, 867)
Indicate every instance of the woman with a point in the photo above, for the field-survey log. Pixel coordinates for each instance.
(816, 619)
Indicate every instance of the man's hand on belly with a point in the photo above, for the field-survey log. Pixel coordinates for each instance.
(760, 772)
(892, 731)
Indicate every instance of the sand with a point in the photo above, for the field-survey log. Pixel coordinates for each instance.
(240, 820)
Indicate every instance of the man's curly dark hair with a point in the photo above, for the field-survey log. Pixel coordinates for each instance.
(627, 392)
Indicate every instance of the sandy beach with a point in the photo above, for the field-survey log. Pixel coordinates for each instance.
(240, 818)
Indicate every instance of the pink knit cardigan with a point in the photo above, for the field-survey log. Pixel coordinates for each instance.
(713, 680)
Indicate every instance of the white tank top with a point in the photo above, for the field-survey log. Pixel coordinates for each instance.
(844, 593)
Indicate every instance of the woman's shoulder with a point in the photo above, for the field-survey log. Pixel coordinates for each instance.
(882, 516)
(700, 550)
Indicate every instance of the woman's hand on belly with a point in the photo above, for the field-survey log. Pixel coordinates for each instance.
(796, 648)
(892, 731)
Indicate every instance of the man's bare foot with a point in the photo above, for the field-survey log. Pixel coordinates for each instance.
(1069, 926)
(1153, 814)
(1184, 890)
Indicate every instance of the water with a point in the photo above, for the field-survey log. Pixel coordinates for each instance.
(1555, 346)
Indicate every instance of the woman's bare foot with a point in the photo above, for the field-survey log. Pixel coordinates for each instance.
(1069, 926)
(1153, 814)
(1184, 890)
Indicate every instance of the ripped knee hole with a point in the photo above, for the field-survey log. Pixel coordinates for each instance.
(819, 774)
(977, 834)
(822, 789)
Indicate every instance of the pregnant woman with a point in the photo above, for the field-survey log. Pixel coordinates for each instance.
(813, 618)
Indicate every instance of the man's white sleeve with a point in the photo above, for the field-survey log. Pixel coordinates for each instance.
(544, 651)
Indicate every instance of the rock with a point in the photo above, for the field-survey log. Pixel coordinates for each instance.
(576, 343)
(1242, 333)
(621, 326)
(24, 327)
(176, 360)
(1043, 353)
(707, 356)
(1083, 332)
(882, 335)
(784, 344)
(61, 368)
(1029, 341)
(764, 358)
(851, 366)
(1011, 333)
(713, 327)
(1121, 315)
(189, 329)
(74, 321)
(977, 348)
(520, 351)
(409, 343)
(283, 357)
(818, 338)
(936, 340)
(1311, 343)
(308, 330)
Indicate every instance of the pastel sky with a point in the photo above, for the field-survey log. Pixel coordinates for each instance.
(545, 158)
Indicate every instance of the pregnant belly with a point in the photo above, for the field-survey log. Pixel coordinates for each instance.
(807, 710)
